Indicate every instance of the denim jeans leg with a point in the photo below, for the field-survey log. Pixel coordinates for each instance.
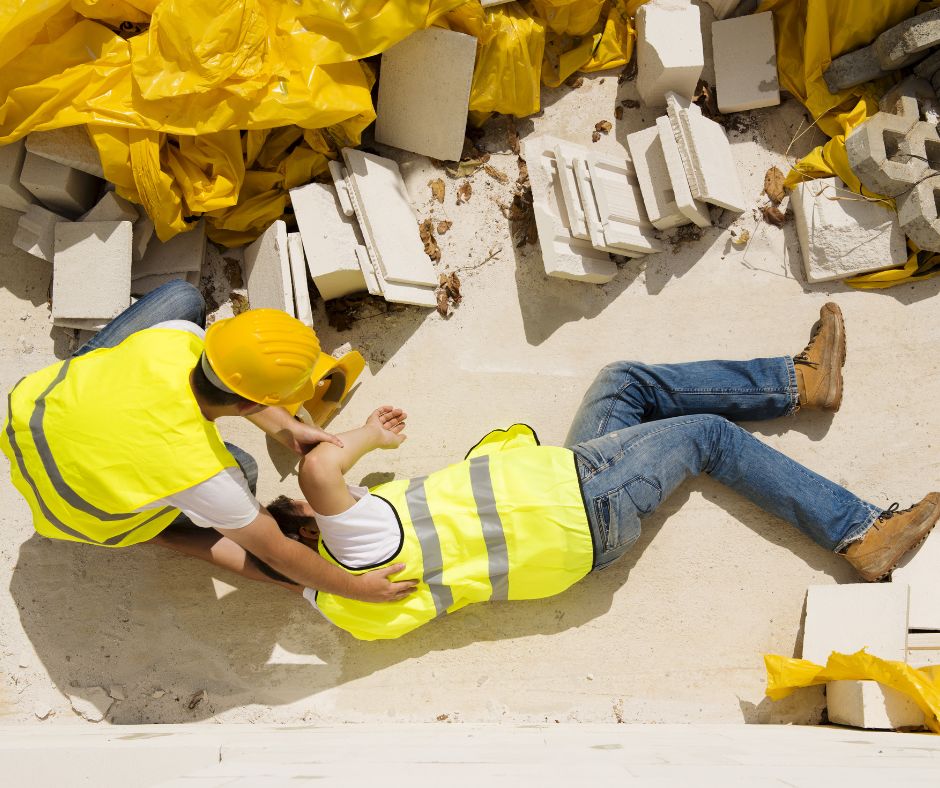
(176, 300)
(627, 393)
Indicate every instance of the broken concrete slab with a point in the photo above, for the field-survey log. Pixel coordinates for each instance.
(868, 704)
(35, 232)
(91, 270)
(340, 183)
(90, 703)
(298, 273)
(112, 208)
(853, 69)
(70, 146)
(183, 252)
(13, 194)
(267, 271)
(920, 570)
(424, 93)
(842, 233)
(847, 618)
(60, 188)
(649, 162)
(912, 97)
(746, 63)
(876, 157)
(900, 45)
(330, 239)
(919, 215)
(694, 210)
(669, 51)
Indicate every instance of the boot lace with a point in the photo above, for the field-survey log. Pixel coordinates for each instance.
(803, 358)
(888, 513)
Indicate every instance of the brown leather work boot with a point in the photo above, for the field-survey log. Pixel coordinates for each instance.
(891, 536)
(819, 366)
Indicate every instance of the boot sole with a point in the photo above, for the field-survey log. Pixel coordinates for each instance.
(834, 401)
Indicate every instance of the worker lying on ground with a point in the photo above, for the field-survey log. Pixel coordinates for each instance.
(117, 445)
(516, 520)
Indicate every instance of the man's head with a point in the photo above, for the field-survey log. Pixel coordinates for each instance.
(295, 519)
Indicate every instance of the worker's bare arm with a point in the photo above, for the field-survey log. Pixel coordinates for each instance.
(294, 434)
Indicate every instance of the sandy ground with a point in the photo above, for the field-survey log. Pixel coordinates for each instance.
(673, 633)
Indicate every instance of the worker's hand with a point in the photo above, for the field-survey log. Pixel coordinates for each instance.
(301, 438)
(376, 587)
(391, 426)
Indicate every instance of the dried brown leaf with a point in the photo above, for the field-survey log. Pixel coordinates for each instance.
(443, 305)
(239, 303)
(603, 126)
(618, 113)
(466, 167)
(595, 136)
(574, 82)
(773, 185)
(513, 134)
(437, 189)
(497, 175)
(773, 215)
(426, 231)
(523, 180)
(443, 226)
(448, 293)
(741, 238)
(464, 191)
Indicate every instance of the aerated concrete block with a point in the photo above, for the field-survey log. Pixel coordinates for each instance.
(612, 196)
(70, 146)
(876, 156)
(143, 232)
(35, 232)
(919, 213)
(850, 617)
(900, 45)
(646, 152)
(923, 648)
(112, 208)
(868, 704)
(912, 98)
(13, 194)
(91, 275)
(267, 271)
(298, 275)
(183, 252)
(746, 63)
(61, 189)
(920, 569)
(341, 184)
(695, 211)
(424, 93)
(669, 53)
(842, 233)
(853, 69)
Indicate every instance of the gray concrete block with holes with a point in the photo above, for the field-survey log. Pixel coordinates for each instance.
(875, 154)
(919, 213)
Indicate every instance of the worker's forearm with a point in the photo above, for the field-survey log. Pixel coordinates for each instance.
(272, 420)
(304, 566)
(356, 444)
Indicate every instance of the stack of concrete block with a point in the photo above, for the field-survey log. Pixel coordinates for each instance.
(268, 271)
(845, 619)
(745, 63)
(179, 258)
(587, 206)
(670, 55)
(424, 93)
(900, 46)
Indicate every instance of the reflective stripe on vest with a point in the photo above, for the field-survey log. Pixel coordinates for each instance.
(430, 543)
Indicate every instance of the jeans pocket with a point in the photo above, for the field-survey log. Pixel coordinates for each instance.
(615, 514)
(645, 493)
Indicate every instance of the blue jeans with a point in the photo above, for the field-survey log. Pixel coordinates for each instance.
(176, 300)
(642, 429)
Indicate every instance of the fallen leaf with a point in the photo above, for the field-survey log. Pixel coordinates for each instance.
(495, 174)
(705, 98)
(618, 113)
(437, 189)
(463, 192)
(741, 238)
(603, 126)
(448, 293)
(523, 180)
(630, 103)
(521, 217)
(773, 185)
(443, 226)
(426, 231)
(239, 303)
(443, 306)
(513, 135)
(773, 215)
(629, 71)
(441, 717)
(595, 136)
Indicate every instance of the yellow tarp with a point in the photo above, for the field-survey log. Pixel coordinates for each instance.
(922, 685)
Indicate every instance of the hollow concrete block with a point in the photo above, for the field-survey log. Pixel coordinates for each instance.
(746, 63)
(853, 69)
(649, 161)
(920, 569)
(35, 232)
(875, 154)
(919, 213)
(868, 704)
(13, 194)
(267, 271)
(670, 55)
(91, 275)
(900, 45)
(912, 97)
(60, 188)
(70, 146)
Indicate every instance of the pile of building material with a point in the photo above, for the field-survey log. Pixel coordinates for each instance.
(897, 621)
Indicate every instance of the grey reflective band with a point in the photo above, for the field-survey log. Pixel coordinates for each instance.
(492, 525)
(210, 374)
(416, 498)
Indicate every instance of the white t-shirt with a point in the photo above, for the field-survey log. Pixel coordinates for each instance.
(221, 501)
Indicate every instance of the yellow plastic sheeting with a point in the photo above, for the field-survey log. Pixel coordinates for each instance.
(922, 685)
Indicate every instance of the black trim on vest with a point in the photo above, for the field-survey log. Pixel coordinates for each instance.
(517, 424)
(401, 543)
(587, 514)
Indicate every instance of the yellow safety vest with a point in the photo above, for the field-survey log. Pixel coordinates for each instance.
(93, 439)
(508, 522)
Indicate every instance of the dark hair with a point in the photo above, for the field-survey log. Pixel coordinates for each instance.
(288, 519)
(213, 395)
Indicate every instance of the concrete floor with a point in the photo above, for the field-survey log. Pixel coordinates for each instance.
(673, 633)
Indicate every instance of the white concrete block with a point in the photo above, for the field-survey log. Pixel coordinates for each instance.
(620, 208)
(669, 53)
(846, 618)
(60, 188)
(298, 274)
(91, 270)
(82, 324)
(267, 271)
(13, 194)
(706, 155)
(565, 155)
(923, 658)
(841, 233)
(183, 252)
(920, 569)
(695, 211)
(563, 255)
(112, 208)
(143, 232)
(868, 704)
(35, 232)
(387, 219)
(424, 93)
(338, 173)
(146, 284)
(746, 63)
(649, 162)
(70, 146)
(368, 271)
(330, 240)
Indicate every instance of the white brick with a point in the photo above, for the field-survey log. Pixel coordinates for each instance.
(746, 63)
(846, 618)
(82, 324)
(60, 188)
(619, 203)
(70, 146)
(920, 569)
(868, 704)
(35, 232)
(574, 217)
(146, 284)
(183, 252)
(91, 270)
(669, 49)
(368, 271)
(923, 658)
(646, 152)
(338, 173)
(841, 233)
(267, 271)
(330, 239)
(387, 219)
(298, 274)
(424, 93)
(692, 209)
(923, 648)
(13, 194)
(112, 208)
(143, 232)
(706, 155)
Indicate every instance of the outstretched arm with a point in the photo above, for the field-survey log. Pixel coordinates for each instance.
(293, 433)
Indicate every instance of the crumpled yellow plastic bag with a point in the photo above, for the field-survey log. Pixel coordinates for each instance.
(922, 685)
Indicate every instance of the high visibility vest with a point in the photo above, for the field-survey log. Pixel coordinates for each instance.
(93, 439)
(508, 522)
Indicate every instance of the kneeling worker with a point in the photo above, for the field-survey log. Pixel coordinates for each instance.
(116, 444)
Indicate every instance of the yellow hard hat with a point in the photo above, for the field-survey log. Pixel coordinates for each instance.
(265, 356)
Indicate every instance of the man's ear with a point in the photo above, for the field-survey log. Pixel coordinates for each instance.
(309, 532)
